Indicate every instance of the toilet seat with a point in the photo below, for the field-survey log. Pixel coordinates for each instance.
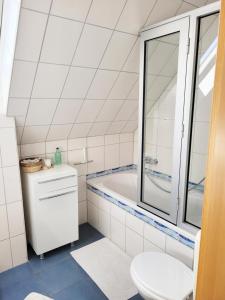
(162, 275)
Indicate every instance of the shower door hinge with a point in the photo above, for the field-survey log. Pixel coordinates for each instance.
(188, 46)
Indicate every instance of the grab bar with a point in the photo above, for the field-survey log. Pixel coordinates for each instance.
(57, 195)
(55, 179)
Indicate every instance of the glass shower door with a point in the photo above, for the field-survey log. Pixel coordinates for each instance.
(164, 52)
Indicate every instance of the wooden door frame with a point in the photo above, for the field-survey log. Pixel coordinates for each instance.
(211, 270)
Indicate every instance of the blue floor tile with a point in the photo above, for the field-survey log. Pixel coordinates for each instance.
(83, 290)
(136, 297)
(58, 274)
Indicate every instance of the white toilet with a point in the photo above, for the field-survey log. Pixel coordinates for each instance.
(159, 276)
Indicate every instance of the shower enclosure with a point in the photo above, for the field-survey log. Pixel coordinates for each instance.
(176, 83)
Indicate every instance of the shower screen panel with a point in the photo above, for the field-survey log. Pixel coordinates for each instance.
(204, 82)
(164, 67)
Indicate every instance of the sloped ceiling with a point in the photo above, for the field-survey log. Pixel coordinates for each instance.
(76, 65)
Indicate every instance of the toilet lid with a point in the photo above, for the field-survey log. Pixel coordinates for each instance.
(163, 275)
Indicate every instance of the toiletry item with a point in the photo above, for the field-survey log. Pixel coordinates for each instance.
(84, 155)
(47, 163)
(58, 157)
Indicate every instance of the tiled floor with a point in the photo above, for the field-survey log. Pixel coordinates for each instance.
(57, 276)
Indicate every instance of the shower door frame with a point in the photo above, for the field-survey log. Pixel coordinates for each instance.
(184, 127)
(180, 26)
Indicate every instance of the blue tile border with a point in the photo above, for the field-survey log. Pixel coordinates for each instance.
(110, 171)
(172, 233)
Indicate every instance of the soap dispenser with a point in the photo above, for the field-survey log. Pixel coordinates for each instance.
(58, 157)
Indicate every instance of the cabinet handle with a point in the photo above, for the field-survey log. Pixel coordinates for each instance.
(58, 195)
(55, 179)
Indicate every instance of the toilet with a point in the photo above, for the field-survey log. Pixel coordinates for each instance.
(159, 276)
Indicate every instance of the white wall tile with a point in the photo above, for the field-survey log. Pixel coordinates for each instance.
(22, 78)
(41, 111)
(2, 191)
(118, 213)
(116, 127)
(58, 132)
(118, 233)
(15, 218)
(99, 128)
(97, 155)
(40, 5)
(111, 156)
(49, 81)
(82, 188)
(76, 143)
(11, 177)
(67, 111)
(82, 212)
(75, 156)
(135, 15)
(120, 43)
(104, 223)
(134, 243)
(89, 111)
(19, 250)
(123, 85)
(80, 130)
(5, 256)
(126, 154)
(95, 141)
(179, 251)
(91, 46)
(93, 216)
(109, 110)
(32, 149)
(132, 62)
(78, 82)
(29, 38)
(34, 134)
(135, 224)
(17, 107)
(111, 9)
(4, 231)
(155, 236)
(112, 139)
(71, 9)
(8, 146)
(93, 198)
(60, 40)
(126, 110)
(102, 84)
(126, 137)
(148, 246)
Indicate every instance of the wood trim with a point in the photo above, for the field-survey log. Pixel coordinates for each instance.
(211, 272)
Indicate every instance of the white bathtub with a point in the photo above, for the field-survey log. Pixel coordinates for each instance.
(123, 186)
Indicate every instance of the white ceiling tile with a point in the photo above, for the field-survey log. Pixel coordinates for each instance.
(99, 129)
(102, 84)
(91, 46)
(49, 81)
(80, 130)
(135, 15)
(126, 110)
(185, 7)
(197, 2)
(105, 12)
(60, 40)
(134, 116)
(117, 51)
(34, 134)
(40, 5)
(163, 10)
(123, 85)
(71, 9)
(132, 63)
(41, 111)
(22, 78)
(17, 106)
(78, 82)
(89, 111)
(134, 93)
(29, 38)
(116, 127)
(58, 132)
(109, 110)
(130, 126)
(67, 111)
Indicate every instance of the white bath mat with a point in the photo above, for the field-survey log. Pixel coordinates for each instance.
(36, 296)
(108, 267)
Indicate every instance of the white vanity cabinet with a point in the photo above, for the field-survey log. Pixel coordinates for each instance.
(51, 208)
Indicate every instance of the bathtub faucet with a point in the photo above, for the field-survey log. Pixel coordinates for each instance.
(150, 160)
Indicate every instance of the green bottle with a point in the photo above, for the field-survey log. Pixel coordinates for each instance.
(58, 157)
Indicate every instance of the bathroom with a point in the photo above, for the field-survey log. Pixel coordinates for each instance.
(111, 142)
